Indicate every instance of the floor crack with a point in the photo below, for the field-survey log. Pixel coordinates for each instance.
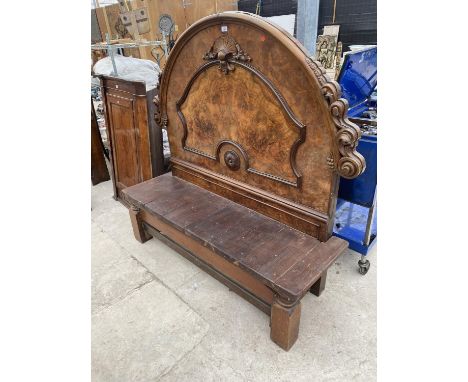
(128, 294)
(155, 278)
(164, 373)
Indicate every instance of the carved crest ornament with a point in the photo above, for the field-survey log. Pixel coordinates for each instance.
(225, 48)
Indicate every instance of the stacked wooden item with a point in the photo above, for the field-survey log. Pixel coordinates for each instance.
(259, 137)
(145, 20)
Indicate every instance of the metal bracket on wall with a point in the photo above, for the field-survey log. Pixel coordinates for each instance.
(111, 48)
(111, 51)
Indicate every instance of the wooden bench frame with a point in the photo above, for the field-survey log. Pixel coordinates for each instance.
(292, 199)
(285, 316)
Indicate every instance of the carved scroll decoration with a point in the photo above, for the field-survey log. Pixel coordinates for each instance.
(347, 162)
(161, 120)
(230, 61)
(224, 50)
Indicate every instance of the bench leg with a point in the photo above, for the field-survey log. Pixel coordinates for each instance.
(319, 285)
(140, 234)
(285, 323)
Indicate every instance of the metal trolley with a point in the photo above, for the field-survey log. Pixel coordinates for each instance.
(355, 217)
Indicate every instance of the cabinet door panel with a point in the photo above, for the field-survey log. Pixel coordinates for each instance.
(125, 142)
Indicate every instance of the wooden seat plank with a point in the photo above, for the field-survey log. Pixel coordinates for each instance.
(278, 262)
(194, 209)
(270, 250)
(265, 251)
(147, 191)
(311, 266)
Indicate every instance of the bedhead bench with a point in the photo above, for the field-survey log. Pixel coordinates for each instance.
(259, 137)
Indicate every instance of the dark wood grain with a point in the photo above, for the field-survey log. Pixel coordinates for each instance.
(134, 137)
(137, 225)
(312, 264)
(285, 259)
(221, 274)
(282, 209)
(99, 171)
(319, 285)
(285, 322)
(233, 272)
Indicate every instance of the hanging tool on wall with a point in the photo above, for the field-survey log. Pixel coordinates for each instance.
(166, 27)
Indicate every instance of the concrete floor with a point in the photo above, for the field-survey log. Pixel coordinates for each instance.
(158, 317)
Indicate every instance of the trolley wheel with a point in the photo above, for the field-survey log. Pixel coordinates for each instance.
(364, 266)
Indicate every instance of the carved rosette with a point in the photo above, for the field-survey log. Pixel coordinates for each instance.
(232, 160)
(347, 162)
(224, 50)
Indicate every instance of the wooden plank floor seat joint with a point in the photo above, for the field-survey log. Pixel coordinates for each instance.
(259, 137)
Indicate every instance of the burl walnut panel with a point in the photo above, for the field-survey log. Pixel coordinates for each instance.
(251, 117)
(217, 122)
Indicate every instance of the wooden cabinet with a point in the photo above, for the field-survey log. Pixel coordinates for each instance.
(134, 138)
(99, 172)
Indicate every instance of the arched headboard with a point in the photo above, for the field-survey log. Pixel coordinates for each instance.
(252, 118)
